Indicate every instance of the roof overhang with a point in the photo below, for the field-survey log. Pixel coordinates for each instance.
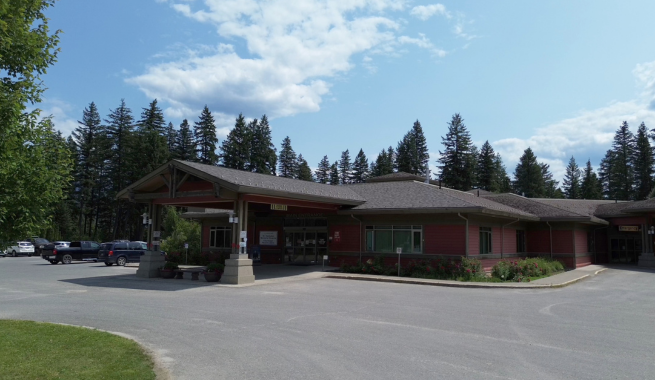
(439, 210)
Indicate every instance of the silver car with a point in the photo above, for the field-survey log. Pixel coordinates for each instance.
(21, 248)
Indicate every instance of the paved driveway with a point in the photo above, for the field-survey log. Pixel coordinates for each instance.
(602, 328)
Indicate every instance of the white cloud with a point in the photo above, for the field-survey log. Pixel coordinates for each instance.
(424, 12)
(60, 111)
(589, 131)
(292, 49)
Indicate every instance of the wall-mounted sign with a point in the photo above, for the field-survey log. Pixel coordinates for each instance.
(629, 228)
(268, 238)
(337, 236)
(277, 207)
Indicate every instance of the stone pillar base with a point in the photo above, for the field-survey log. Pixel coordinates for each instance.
(151, 262)
(647, 260)
(238, 270)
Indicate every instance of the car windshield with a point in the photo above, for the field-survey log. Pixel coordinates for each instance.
(24, 244)
(41, 241)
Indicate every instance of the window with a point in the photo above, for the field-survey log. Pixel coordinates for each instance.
(385, 239)
(220, 237)
(485, 240)
(520, 241)
(134, 246)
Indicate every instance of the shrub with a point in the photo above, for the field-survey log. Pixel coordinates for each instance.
(215, 267)
(522, 270)
(171, 265)
(440, 269)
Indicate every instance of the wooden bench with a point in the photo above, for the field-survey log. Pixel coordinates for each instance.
(179, 273)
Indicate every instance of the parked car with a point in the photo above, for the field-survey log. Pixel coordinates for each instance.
(40, 244)
(122, 252)
(78, 250)
(62, 244)
(21, 248)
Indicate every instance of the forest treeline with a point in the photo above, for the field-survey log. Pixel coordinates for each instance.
(111, 153)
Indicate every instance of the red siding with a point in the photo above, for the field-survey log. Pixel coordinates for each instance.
(562, 241)
(581, 245)
(474, 240)
(444, 240)
(349, 236)
(495, 240)
(509, 244)
(538, 241)
(205, 236)
(623, 221)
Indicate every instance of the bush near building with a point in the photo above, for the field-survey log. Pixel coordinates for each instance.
(526, 269)
(438, 269)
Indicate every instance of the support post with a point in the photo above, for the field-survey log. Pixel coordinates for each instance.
(152, 260)
(238, 268)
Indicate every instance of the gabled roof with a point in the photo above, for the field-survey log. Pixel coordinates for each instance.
(578, 210)
(613, 210)
(397, 176)
(256, 183)
(642, 206)
(419, 197)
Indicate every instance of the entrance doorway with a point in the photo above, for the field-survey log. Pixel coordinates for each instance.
(306, 247)
(625, 250)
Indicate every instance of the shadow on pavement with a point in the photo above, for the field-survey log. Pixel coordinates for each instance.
(131, 281)
(631, 268)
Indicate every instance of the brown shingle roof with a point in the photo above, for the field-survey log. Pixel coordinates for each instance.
(613, 209)
(642, 206)
(553, 209)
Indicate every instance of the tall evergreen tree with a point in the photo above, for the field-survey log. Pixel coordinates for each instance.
(501, 182)
(304, 171)
(204, 135)
(287, 161)
(607, 175)
(383, 164)
(551, 186)
(590, 188)
(486, 168)
(345, 168)
(572, 185)
(236, 148)
(185, 149)
(334, 173)
(152, 136)
(643, 164)
(412, 152)
(528, 176)
(171, 138)
(322, 173)
(360, 168)
(263, 157)
(623, 165)
(456, 170)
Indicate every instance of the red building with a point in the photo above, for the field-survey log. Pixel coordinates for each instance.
(288, 220)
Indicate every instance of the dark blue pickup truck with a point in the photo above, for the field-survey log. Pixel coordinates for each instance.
(78, 250)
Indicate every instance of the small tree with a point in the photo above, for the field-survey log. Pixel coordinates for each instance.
(323, 172)
(177, 231)
(572, 180)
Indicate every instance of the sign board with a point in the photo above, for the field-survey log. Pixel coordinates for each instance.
(629, 228)
(325, 257)
(186, 245)
(242, 244)
(277, 207)
(268, 238)
(156, 234)
(337, 236)
(399, 250)
(243, 234)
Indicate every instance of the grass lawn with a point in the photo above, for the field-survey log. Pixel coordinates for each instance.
(33, 350)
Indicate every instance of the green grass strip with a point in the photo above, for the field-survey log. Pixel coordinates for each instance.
(34, 350)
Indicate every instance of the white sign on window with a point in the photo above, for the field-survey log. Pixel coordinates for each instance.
(268, 238)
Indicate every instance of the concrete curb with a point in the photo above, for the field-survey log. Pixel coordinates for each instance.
(452, 284)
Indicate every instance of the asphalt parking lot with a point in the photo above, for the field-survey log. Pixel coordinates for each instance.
(600, 328)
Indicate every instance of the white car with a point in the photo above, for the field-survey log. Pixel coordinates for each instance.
(21, 248)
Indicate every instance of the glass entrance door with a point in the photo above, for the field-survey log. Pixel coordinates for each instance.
(304, 247)
(625, 250)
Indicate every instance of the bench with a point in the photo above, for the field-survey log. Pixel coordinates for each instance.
(179, 273)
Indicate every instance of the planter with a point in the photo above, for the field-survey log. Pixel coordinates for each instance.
(167, 273)
(212, 276)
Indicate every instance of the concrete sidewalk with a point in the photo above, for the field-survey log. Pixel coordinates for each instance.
(556, 281)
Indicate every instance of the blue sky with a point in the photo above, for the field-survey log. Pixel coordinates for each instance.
(559, 76)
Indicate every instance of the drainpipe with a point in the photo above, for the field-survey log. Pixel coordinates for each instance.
(467, 234)
(360, 237)
(551, 239)
(502, 237)
(596, 249)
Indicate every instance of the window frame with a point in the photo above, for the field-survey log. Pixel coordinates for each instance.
(227, 236)
(370, 232)
(521, 246)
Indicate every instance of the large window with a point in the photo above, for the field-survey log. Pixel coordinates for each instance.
(485, 240)
(520, 241)
(386, 239)
(220, 237)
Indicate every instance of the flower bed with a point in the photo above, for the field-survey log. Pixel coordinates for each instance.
(525, 270)
(438, 269)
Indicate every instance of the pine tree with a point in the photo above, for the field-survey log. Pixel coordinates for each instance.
(152, 136)
(623, 165)
(345, 168)
(607, 175)
(412, 152)
(384, 163)
(204, 135)
(236, 147)
(185, 149)
(528, 176)
(501, 182)
(360, 168)
(287, 160)
(263, 157)
(486, 169)
(334, 173)
(456, 170)
(572, 185)
(304, 171)
(323, 171)
(590, 188)
(171, 138)
(643, 164)
(551, 189)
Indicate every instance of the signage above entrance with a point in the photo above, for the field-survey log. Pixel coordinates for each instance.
(629, 228)
(277, 207)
